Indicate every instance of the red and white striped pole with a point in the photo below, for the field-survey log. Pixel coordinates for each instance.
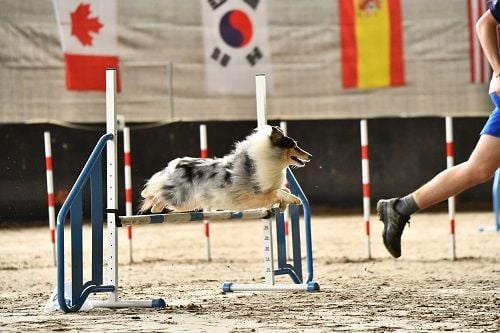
(127, 162)
(50, 192)
(451, 200)
(365, 177)
(204, 154)
(283, 126)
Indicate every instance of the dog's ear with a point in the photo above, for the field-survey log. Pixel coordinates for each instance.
(277, 128)
(276, 135)
(279, 139)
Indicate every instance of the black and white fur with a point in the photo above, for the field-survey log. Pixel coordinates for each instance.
(251, 176)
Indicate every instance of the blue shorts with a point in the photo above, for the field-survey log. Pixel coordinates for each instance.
(492, 126)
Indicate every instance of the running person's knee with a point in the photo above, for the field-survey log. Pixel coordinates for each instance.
(479, 173)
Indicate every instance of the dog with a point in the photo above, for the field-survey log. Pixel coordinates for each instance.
(250, 177)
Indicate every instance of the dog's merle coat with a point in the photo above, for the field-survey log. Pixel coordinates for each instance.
(251, 176)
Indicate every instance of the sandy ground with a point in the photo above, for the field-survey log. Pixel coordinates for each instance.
(423, 291)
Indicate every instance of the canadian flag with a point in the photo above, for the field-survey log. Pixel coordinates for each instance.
(89, 41)
(236, 41)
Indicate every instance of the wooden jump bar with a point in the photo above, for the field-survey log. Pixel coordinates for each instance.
(195, 216)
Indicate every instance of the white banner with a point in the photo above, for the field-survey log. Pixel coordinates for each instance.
(164, 72)
(236, 46)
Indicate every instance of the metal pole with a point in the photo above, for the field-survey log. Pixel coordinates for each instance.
(127, 163)
(286, 214)
(451, 200)
(260, 95)
(50, 192)
(365, 171)
(206, 223)
(112, 182)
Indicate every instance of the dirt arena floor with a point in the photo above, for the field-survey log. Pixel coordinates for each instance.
(423, 291)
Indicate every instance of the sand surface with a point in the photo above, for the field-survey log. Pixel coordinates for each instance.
(423, 291)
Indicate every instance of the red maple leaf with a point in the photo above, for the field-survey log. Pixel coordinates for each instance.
(82, 25)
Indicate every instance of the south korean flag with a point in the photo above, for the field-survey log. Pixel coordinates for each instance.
(236, 46)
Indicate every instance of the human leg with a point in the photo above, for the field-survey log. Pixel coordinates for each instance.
(481, 166)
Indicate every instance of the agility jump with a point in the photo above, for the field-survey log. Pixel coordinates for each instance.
(92, 175)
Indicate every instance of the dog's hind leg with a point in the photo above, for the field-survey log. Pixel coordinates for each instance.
(158, 207)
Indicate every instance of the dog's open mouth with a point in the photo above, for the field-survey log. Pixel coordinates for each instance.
(299, 161)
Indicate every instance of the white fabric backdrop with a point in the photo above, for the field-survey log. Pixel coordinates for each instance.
(160, 45)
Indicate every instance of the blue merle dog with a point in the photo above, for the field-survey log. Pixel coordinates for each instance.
(250, 177)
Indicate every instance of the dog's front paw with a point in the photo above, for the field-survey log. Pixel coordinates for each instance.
(294, 200)
(287, 199)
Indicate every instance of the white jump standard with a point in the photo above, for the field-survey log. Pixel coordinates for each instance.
(92, 175)
(295, 270)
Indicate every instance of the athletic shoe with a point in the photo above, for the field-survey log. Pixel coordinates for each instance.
(394, 223)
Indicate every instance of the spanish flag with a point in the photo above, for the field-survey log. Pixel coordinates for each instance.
(371, 42)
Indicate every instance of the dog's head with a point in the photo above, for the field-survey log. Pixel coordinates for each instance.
(291, 153)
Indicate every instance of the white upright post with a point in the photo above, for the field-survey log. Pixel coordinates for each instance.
(112, 206)
(451, 200)
(204, 154)
(365, 177)
(284, 127)
(267, 227)
(111, 181)
(260, 96)
(50, 192)
(269, 274)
